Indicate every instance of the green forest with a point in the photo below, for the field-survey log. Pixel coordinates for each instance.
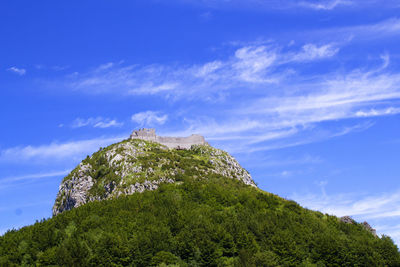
(213, 222)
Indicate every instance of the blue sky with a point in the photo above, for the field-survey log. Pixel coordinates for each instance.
(305, 94)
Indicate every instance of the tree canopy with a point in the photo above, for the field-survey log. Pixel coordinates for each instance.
(196, 222)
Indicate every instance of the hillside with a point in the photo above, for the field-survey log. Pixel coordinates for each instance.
(183, 207)
(135, 165)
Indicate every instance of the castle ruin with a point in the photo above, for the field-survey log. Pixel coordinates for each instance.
(170, 142)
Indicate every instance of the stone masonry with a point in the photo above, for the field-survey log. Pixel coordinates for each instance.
(170, 142)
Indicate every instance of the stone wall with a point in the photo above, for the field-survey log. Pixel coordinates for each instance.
(171, 142)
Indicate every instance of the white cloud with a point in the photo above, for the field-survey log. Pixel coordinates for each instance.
(10, 181)
(73, 150)
(261, 5)
(375, 112)
(252, 62)
(18, 71)
(392, 230)
(391, 26)
(305, 159)
(283, 141)
(33, 176)
(313, 52)
(208, 68)
(260, 123)
(107, 124)
(326, 4)
(291, 116)
(54, 68)
(332, 99)
(364, 32)
(223, 133)
(248, 66)
(98, 122)
(151, 88)
(149, 118)
(269, 97)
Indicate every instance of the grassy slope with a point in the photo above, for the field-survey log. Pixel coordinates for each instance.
(152, 162)
(213, 222)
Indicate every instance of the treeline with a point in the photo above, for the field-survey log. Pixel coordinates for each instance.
(213, 222)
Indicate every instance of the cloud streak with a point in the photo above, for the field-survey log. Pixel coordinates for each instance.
(360, 33)
(98, 122)
(149, 118)
(10, 181)
(316, 5)
(340, 98)
(270, 98)
(249, 66)
(325, 5)
(372, 207)
(43, 154)
(33, 176)
(19, 71)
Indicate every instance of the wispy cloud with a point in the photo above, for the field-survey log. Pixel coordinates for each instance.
(301, 160)
(393, 230)
(389, 26)
(149, 118)
(341, 97)
(312, 52)
(248, 66)
(369, 31)
(274, 4)
(54, 68)
(325, 5)
(10, 181)
(312, 138)
(378, 112)
(287, 114)
(372, 207)
(98, 122)
(270, 98)
(33, 176)
(73, 150)
(19, 71)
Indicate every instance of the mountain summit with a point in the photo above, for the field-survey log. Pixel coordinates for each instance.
(143, 162)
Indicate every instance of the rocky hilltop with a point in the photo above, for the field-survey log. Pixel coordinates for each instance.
(143, 162)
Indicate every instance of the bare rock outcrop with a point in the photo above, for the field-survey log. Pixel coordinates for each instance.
(369, 228)
(349, 220)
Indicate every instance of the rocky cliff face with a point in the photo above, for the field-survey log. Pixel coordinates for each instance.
(136, 165)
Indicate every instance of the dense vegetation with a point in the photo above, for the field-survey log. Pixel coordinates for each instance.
(218, 222)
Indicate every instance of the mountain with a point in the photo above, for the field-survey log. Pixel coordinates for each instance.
(159, 201)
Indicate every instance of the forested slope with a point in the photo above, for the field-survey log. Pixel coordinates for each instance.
(213, 222)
